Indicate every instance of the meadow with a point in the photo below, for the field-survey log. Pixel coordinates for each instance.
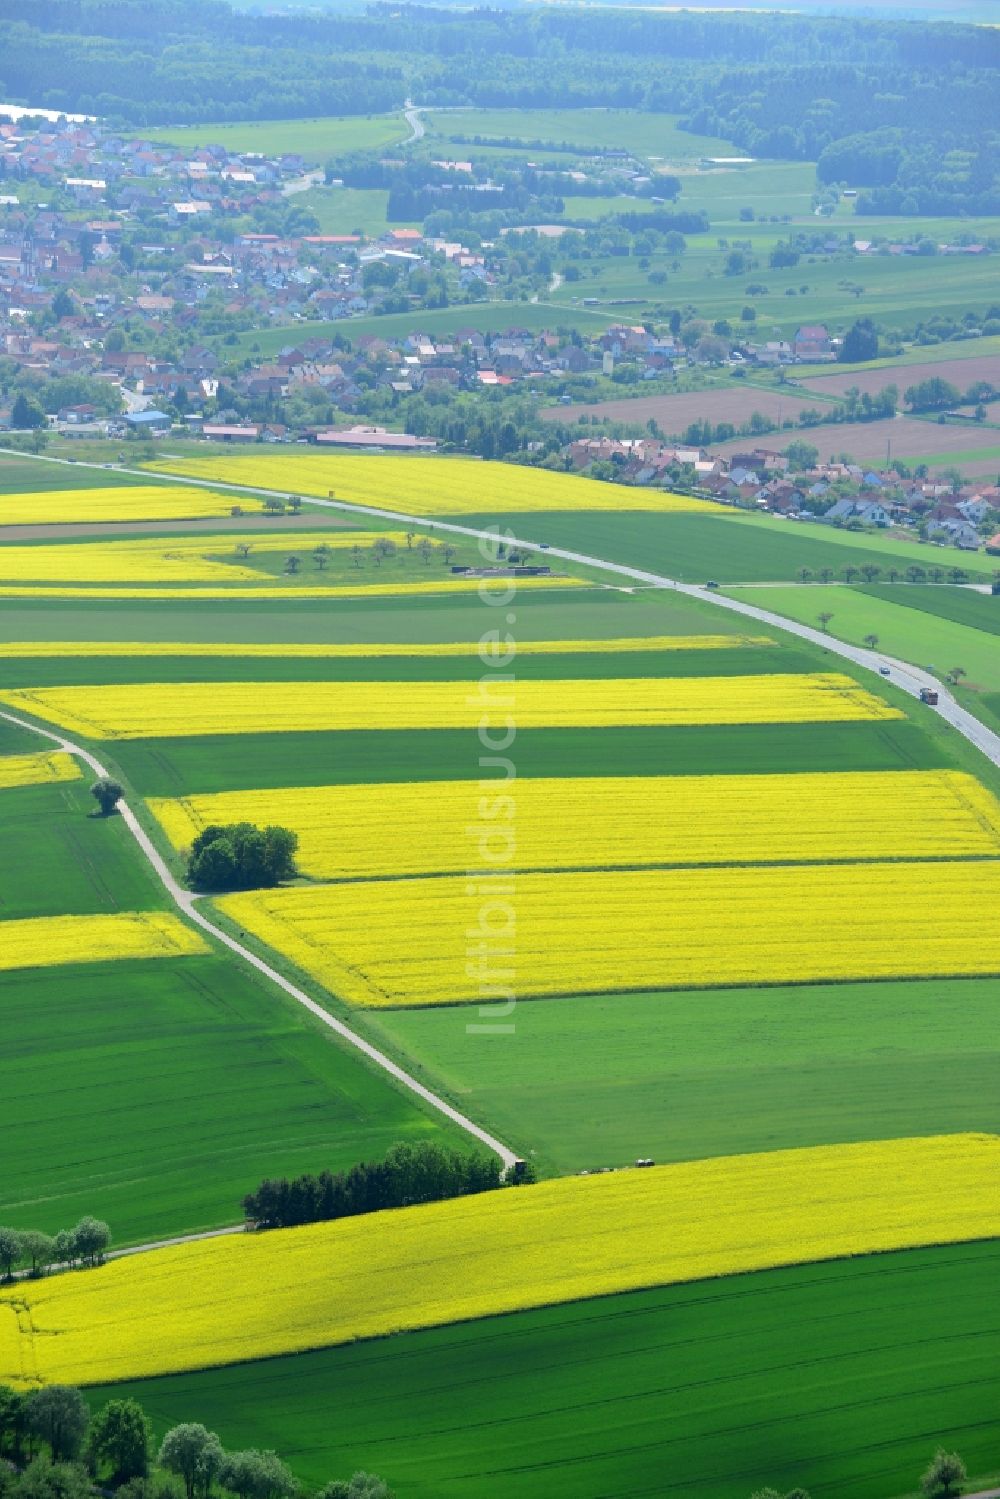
(187, 1306)
(638, 131)
(841, 1375)
(155, 1094)
(315, 139)
(602, 1080)
(909, 633)
(733, 548)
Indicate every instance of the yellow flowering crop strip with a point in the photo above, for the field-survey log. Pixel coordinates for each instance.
(431, 827)
(210, 557)
(431, 485)
(227, 1300)
(22, 650)
(122, 503)
(283, 589)
(45, 941)
(147, 710)
(414, 942)
(37, 770)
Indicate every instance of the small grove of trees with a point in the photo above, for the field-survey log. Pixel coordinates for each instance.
(408, 1174)
(52, 1447)
(86, 1244)
(241, 856)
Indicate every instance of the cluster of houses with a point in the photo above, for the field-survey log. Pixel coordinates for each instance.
(841, 494)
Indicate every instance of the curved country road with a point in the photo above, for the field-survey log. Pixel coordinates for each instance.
(186, 903)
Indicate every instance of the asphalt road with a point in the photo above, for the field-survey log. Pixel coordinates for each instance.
(187, 904)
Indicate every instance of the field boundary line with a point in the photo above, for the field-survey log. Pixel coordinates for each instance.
(910, 679)
(186, 902)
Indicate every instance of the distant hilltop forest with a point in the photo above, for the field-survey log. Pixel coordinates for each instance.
(903, 110)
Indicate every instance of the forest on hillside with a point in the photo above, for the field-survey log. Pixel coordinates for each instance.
(904, 110)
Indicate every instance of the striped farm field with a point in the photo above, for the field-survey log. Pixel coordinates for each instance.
(190, 559)
(123, 503)
(281, 589)
(26, 650)
(431, 486)
(37, 770)
(45, 941)
(448, 939)
(200, 1305)
(436, 827)
(146, 710)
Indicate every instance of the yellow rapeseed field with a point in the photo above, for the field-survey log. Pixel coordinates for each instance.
(122, 503)
(430, 485)
(429, 827)
(446, 940)
(20, 650)
(280, 588)
(37, 770)
(221, 1301)
(146, 710)
(209, 558)
(44, 941)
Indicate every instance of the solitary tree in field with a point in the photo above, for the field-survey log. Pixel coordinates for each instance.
(243, 548)
(449, 552)
(824, 619)
(120, 1437)
(409, 541)
(292, 565)
(60, 1416)
(871, 641)
(356, 555)
(956, 674)
(194, 1454)
(107, 794)
(945, 1476)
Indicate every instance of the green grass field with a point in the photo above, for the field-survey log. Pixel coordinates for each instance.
(590, 1082)
(911, 634)
(155, 1094)
(350, 210)
(730, 547)
(315, 139)
(980, 611)
(58, 857)
(23, 475)
(228, 762)
(51, 672)
(638, 131)
(843, 1377)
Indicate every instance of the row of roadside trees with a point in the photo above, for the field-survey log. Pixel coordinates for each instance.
(35, 1252)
